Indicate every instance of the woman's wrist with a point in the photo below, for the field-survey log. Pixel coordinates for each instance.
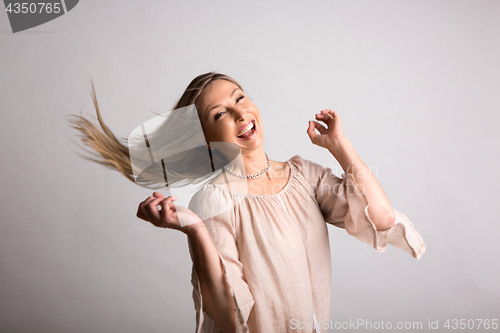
(339, 146)
(194, 229)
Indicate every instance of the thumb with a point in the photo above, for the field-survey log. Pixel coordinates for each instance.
(311, 131)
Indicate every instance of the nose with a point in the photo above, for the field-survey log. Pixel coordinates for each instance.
(239, 114)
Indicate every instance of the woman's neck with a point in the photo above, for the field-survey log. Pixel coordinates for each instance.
(255, 160)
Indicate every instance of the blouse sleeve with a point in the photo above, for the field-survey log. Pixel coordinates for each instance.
(222, 232)
(345, 205)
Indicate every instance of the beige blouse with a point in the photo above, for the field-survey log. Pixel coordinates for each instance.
(275, 248)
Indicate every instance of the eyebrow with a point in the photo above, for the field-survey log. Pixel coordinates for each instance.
(213, 107)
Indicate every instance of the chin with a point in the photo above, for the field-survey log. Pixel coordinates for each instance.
(252, 145)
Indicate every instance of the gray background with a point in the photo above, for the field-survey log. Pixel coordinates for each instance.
(414, 83)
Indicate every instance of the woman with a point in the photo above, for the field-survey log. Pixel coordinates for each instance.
(261, 259)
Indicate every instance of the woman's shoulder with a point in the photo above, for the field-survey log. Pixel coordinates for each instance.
(209, 193)
(211, 200)
(304, 165)
(311, 172)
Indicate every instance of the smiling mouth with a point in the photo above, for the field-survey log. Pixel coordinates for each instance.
(247, 131)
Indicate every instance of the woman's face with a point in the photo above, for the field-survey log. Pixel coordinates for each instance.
(228, 115)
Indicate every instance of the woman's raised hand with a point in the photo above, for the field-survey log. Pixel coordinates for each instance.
(330, 136)
(162, 212)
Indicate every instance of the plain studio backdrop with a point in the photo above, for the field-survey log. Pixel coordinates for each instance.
(415, 84)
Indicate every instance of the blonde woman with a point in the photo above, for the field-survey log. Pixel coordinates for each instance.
(262, 264)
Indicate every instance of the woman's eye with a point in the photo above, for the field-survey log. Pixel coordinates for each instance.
(239, 98)
(217, 116)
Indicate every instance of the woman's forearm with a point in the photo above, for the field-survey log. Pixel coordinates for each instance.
(380, 209)
(218, 302)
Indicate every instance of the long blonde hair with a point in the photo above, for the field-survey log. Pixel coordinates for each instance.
(182, 168)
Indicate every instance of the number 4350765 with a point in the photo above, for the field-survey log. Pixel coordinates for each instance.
(33, 8)
(471, 324)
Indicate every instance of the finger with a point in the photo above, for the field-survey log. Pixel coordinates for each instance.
(148, 200)
(158, 195)
(167, 207)
(327, 111)
(170, 199)
(326, 115)
(142, 206)
(168, 202)
(140, 213)
(164, 208)
(151, 209)
(326, 118)
(321, 129)
(155, 202)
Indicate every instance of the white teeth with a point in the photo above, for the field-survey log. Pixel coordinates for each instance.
(246, 129)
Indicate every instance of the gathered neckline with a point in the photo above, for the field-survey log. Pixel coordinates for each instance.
(290, 177)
